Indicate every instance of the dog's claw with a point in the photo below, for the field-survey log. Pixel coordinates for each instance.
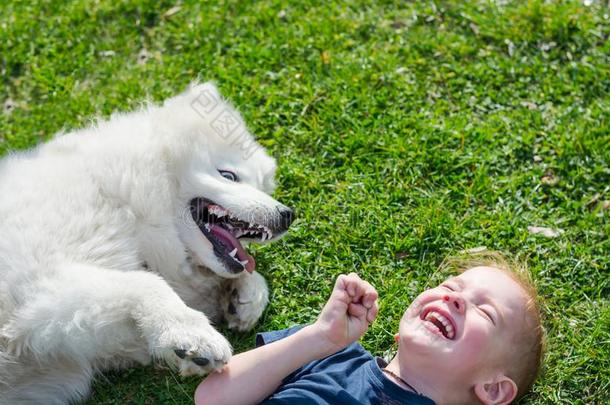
(180, 353)
(200, 361)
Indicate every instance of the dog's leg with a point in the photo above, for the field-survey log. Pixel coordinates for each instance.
(245, 300)
(28, 382)
(100, 316)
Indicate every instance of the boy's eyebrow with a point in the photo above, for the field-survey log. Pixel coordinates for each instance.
(458, 281)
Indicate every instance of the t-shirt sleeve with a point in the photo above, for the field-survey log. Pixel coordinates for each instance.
(269, 337)
(265, 338)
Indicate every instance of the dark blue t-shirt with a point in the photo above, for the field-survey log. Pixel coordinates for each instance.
(351, 376)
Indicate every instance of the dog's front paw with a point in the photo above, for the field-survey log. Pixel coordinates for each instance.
(192, 345)
(244, 301)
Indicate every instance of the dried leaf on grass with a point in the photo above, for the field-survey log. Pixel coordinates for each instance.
(547, 232)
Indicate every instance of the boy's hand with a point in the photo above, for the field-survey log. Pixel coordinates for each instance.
(252, 376)
(348, 312)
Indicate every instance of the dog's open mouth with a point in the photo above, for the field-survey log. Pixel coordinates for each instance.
(224, 230)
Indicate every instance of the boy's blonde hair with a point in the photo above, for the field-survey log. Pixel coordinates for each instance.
(531, 343)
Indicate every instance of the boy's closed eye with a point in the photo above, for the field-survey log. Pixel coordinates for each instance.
(487, 313)
(486, 310)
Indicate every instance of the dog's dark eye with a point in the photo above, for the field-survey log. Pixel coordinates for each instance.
(228, 175)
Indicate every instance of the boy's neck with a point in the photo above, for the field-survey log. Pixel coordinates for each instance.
(425, 383)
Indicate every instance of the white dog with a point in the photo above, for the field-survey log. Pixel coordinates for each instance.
(115, 237)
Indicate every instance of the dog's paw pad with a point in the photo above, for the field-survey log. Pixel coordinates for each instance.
(194, 362)
(190, 355)
(190, 344)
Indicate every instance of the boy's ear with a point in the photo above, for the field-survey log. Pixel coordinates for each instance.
(500, 391)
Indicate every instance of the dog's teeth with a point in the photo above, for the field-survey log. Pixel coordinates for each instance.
(243, 263)
(233, 252)
(218, 211)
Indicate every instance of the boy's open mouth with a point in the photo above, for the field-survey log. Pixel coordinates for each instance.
(440, 320)
(223, 230)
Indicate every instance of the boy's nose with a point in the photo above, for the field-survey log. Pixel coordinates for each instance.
(455, 301)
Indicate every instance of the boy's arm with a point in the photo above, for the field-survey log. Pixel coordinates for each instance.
(252, 376)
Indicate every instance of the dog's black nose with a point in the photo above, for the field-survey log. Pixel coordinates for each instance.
(287, 216)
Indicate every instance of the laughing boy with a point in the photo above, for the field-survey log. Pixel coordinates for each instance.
(475, 338)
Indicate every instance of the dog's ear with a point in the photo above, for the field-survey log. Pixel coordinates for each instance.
(207, 88)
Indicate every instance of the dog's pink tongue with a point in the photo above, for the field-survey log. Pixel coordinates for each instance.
(232, 241)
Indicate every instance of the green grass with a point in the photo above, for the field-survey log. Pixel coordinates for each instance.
(405, 131)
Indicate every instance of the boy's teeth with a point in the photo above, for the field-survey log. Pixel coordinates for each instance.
(442, 319)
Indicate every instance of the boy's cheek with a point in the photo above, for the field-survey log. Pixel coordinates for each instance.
(475, 341)
(422, 300)
(413, 310)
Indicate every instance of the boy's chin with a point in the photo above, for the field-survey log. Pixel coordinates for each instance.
(415, 335)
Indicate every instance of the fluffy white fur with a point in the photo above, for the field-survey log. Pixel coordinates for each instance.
(101, 263)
